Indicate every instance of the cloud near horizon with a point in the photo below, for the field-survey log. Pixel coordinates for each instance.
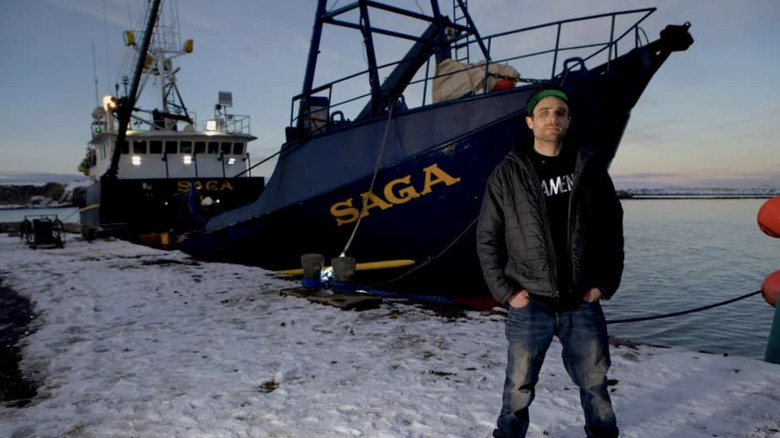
(661, 179)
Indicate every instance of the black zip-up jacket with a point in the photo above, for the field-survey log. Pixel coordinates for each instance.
(513, 237)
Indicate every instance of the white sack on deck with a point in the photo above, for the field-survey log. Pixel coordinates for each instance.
(454, 79)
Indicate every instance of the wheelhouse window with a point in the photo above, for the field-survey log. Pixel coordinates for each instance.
(155, 147)
(213, 147)
(171, 147)
(139, 146)
(185, 147)
(200, 147)
(225, 148)
(238, 148)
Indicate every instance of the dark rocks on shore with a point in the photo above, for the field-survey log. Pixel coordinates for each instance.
(49, 194)
(15, 315)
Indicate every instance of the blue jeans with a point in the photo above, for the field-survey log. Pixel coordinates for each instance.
(583, 336)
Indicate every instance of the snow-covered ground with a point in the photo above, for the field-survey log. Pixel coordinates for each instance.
(133, 342)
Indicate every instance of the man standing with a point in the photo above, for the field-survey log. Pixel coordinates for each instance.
(550, 242)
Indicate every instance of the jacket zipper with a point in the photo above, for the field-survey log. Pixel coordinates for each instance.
(548, 234)
(570, 233)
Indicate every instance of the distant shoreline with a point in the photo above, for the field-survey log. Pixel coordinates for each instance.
(649, 197)
(36, 207)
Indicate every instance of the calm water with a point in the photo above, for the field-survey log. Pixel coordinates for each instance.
(65, 214)
(680, 254)
(684, 253)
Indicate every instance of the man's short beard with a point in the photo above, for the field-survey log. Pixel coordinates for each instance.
(556, 138)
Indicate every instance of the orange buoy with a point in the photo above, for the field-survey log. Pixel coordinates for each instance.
(770, 288)
(769, 217)
(503, 84)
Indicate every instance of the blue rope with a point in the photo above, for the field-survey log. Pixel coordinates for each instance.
(309, 283)
(343, 287)
(422, 298)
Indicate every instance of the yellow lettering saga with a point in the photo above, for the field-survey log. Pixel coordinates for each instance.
(342, 209)
(211, 186)
(405, 194)
(440, 177)
(396, 192)
(371, 200)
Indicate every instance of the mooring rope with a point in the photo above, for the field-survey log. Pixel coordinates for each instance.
(684, 312)
(429, 260)
(373, 180)
(371, 288)
(70, 216)
(260, 163)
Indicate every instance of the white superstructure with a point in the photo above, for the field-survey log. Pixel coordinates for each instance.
(166, 141)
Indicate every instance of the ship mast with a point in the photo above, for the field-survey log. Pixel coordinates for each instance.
(166, 46)
(434, 41)
(127, 103)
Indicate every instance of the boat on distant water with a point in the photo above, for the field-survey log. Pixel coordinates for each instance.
(159, 171)
(399, 186)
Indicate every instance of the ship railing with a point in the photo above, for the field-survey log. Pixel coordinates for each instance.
(501, 48)
(599, 48)
(227, 124)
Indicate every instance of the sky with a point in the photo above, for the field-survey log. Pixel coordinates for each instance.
(131, 341)
(709, 117)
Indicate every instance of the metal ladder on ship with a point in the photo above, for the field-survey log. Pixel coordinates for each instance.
(462, 53)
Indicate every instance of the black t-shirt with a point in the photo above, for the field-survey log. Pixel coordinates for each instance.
(556, 176)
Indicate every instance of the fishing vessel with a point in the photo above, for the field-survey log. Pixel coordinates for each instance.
(394, 176)
(156, 172)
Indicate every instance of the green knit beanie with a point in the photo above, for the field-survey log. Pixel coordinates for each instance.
(541, 95)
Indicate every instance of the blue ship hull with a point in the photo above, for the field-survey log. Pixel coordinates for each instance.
(464, 140)
(429, 166)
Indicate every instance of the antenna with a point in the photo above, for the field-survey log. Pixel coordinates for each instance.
(225, 98)
(94, 73)
(105, 35)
